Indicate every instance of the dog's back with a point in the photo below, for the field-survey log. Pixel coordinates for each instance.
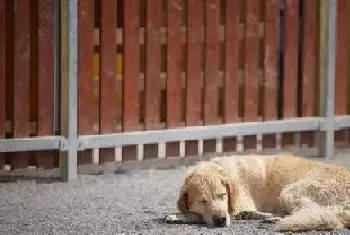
(280, 183)
(263, 177)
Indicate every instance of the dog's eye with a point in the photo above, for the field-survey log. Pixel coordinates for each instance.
(221, 196)
(203, 201)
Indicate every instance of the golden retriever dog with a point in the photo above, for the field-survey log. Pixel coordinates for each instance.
(295, 193)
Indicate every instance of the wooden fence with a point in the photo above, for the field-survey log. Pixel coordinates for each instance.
(163, 64)
(27, 78)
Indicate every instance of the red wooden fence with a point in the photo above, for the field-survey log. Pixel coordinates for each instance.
(27, 78)
(184, 63)
(342, 81)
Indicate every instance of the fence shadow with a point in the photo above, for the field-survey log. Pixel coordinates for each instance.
(20, 178)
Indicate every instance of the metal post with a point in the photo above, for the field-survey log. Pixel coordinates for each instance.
(327, 138)
(69, 10)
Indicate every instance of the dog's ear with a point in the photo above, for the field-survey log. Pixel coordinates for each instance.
(182, 202)
(232, 194)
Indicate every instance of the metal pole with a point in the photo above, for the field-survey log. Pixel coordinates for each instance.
(69, 157)
(328, 138)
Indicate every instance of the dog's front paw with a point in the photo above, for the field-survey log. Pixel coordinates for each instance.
(246, 215)
(171, 219)
(272, 220)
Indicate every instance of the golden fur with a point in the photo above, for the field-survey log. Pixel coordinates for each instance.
(303, 194)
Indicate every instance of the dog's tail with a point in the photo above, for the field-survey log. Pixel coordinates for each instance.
(320, 218)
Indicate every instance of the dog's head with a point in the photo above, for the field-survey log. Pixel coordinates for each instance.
(210, 192)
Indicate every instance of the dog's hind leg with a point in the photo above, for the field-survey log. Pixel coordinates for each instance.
(318, 218)
(310, 204)
(345, 215)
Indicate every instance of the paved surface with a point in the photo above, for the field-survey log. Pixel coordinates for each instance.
(127, 203)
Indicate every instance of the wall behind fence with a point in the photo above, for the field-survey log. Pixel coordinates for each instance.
(161, 64)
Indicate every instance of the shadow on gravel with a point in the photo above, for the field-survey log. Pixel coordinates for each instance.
(37, 179)
(163, 221)
(260, 226)
(120, 171)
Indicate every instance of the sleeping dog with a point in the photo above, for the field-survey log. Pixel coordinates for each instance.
(295, 193)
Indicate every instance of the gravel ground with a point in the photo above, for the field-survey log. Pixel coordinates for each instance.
(133, 202)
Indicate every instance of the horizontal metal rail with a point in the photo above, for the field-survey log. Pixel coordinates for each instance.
(31, 144)
(342, 122)
(198, 132)
(178, 134)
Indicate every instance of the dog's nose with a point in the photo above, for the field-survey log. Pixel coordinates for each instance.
(219, 221)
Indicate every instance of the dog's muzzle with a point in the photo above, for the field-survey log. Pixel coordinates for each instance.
(219, 221)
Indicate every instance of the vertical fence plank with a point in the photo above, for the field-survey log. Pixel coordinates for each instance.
(45, 110)
(251, 60)
(174, 64)
(174, 68)
(108, 53)
(9, 70)
(131, 65)
(272, 31)
(21, 79)
(2, 78)
(152, 73)
(309, 66)
(340, 102)
(194, 62)
(211, 69)
(290, 67)
(211, 64)
(85, 56)
(231, 84)
(309, 58)
(231, 79)
(251, 67)
(131, 71)
(194, 69)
